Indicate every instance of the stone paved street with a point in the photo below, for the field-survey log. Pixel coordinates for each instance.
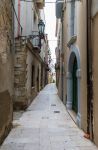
(46, 125)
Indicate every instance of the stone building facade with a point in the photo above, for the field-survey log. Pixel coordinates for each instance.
(6, 67)
(57, 66)
(30, 59)
(77, 23)
(22, 67)
(73, 59)
(29, 73)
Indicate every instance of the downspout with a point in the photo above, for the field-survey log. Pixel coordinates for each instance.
(89, 73)
(13, 29)
(62, 69)
(18, 34)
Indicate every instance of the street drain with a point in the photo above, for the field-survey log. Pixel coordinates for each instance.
(53, 104)
(56, 111)
(45, 117)
(28, 110)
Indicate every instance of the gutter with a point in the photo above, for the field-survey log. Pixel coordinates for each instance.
(62, 69)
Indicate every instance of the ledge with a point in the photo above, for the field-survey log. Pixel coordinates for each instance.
(72, 40)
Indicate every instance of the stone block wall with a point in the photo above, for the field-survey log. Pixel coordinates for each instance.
(25, 58)
(6, 68)
(31, 61)
(20, 98)
(5, 114)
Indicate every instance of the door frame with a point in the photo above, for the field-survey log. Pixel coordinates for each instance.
(74, 52)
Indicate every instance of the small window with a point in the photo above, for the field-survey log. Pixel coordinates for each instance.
(33, 76)
(72, 17)
(34, 17)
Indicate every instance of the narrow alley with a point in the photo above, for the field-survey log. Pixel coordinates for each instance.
(46, 125)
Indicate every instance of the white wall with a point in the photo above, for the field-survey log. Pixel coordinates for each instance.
(43, 48)
(29, 19)
(94, 7)
(15, 20)
(29, 73)
(26, 18)
(42, 15)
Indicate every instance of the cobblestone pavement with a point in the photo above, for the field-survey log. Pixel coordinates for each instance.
(46, 125)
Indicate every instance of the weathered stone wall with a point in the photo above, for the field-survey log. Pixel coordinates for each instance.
(34, 59)
(31, 91)
(25, 57)
(20, 99)
(6, 67)
(5, 114)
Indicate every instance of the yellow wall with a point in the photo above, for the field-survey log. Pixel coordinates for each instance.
(95, 75)
(81, 45)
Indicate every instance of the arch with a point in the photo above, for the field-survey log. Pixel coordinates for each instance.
(74, 52)
(74, 56)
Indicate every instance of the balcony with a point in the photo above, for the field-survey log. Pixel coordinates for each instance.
(40, 3)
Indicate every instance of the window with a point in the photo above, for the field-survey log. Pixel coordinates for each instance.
(72, 17)
(33, 77)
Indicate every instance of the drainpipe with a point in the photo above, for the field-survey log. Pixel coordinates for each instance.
(18, 17)
(13, 29)
(89, 73)
(62, 69)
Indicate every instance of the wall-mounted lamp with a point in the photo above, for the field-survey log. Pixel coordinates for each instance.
(40, 34)
(41, 27)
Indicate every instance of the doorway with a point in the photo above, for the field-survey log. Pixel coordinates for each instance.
(38, 80)
(74, 90)
(73, 84)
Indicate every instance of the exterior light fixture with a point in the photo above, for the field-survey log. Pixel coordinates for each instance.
(39, 35)
(41, 27)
